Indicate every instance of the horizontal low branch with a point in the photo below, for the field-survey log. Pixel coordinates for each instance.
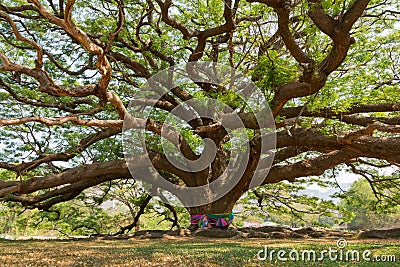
(315, 166)
(292, 112)
(115, 168)
(387, 148)
(62, 156)
(62, 120)
(112, 170)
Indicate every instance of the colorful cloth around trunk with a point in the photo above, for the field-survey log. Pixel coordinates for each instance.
(210, 220)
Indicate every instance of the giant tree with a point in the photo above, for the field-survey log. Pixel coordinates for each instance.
(68, 69)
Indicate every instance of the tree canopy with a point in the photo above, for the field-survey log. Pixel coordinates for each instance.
(329, 71)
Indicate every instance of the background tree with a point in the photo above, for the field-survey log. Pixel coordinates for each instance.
(366, 210)
(329, 70)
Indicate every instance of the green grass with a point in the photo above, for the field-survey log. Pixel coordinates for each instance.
(180, 252)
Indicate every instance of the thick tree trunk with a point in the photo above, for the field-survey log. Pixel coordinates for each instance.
(223, 205)
(217, 207)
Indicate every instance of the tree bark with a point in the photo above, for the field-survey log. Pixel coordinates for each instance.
(223, 205)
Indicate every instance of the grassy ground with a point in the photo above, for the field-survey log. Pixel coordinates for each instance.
(182, 252)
